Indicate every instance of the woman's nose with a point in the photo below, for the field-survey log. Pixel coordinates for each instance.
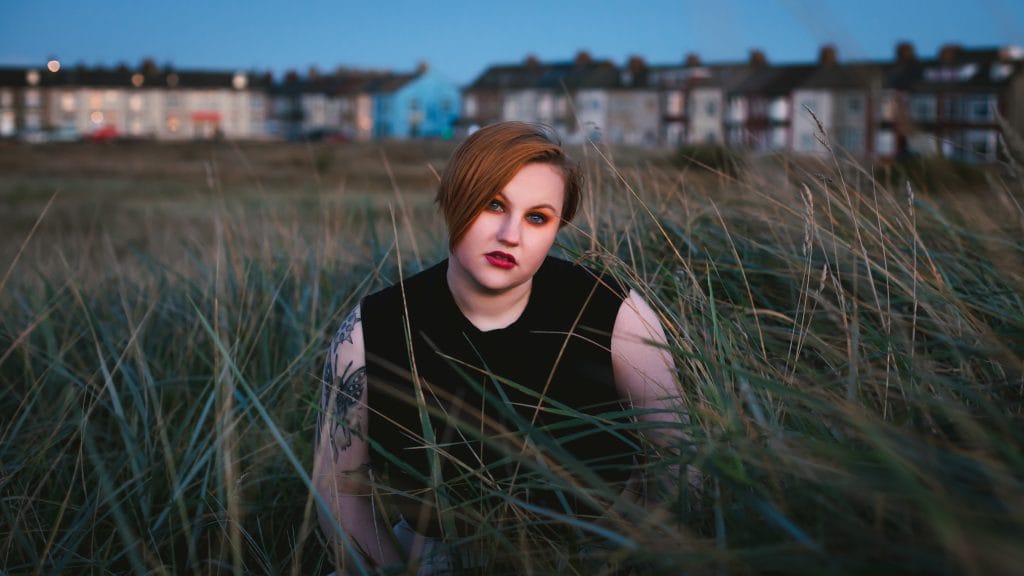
(508, 233)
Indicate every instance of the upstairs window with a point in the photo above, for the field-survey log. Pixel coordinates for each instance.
(675, 103)
(922, 107)
(711, 108)
(980, 108)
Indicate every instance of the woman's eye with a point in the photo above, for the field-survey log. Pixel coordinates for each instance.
(495, 206)
(536, 218)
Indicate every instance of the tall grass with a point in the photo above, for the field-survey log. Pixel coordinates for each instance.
(850, 349)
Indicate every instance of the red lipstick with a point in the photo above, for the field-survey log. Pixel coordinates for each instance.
(500, 259)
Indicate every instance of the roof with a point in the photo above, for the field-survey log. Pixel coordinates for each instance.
(124, 77)
(773, 80)
(549, 76)
(959, 69)
(848, 76)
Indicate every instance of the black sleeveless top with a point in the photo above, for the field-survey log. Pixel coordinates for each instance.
(479, 391)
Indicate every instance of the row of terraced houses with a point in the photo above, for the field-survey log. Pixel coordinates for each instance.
(953, 103)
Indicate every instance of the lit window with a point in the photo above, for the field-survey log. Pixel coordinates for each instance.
(675, 103)
(96, 117)
(7, 123)
(67, 102)
(885, 143)
(173, 123)
(135, 103)
(138, 79)
(6, 98)
(239, 81)
(32, 77)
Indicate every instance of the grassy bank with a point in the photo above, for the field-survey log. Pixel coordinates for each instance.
(851, 348)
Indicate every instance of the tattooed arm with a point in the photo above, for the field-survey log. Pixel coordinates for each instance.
(341, 461)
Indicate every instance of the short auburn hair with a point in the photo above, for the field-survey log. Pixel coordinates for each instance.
(485, 162)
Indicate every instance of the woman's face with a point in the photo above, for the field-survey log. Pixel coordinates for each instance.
(508, 241)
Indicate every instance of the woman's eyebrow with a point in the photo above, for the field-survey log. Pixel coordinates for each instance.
(501, 196)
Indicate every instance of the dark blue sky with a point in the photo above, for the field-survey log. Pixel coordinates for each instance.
(460, 39)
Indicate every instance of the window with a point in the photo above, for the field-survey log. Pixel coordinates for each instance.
(852, 139)
(471, 106)
(711, 108)
(675, 103)
(887, 108)
(981, 146)
(6, 99)
(7, 123)
(854, 104)
(885, 143)
(67, 102)
(32, 98)
(922, 107)
(980, 108)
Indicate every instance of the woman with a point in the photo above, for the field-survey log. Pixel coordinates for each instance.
(490, 386)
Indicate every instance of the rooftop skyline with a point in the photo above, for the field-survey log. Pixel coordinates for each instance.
(461, 39)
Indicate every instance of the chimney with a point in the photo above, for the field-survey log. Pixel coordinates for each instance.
(949, 52)
(313, 73)
(422, 66)
(758, 59)
(692, 60)
(291, 77)
(583, 58)
(531, 61)
(148, 67)
(905, 53)
(637, 65)
(827, 55)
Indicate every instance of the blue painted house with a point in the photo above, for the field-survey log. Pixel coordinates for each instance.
(423, 104)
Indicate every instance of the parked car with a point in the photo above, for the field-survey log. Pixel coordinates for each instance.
(104, 134)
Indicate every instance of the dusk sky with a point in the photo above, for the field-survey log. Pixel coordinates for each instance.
(460, 39)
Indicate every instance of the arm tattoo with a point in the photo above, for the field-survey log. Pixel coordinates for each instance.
(345, 390)
(345, 332)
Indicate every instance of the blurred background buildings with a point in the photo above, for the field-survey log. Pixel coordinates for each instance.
(952, 103)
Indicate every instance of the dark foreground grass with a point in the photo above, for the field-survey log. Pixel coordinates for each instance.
(851, 351)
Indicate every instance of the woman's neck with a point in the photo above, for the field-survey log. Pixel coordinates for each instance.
(487, 309)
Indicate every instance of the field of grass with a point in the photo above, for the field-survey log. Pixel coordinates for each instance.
(850, 342)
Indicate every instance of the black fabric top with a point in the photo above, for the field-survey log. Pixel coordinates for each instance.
(480, 390)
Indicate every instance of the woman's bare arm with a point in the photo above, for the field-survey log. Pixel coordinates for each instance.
(645, 377)
(341, 461)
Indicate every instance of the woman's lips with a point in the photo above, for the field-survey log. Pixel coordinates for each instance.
(501, 259)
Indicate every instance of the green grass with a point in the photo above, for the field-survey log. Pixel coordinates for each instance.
(851, 352)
